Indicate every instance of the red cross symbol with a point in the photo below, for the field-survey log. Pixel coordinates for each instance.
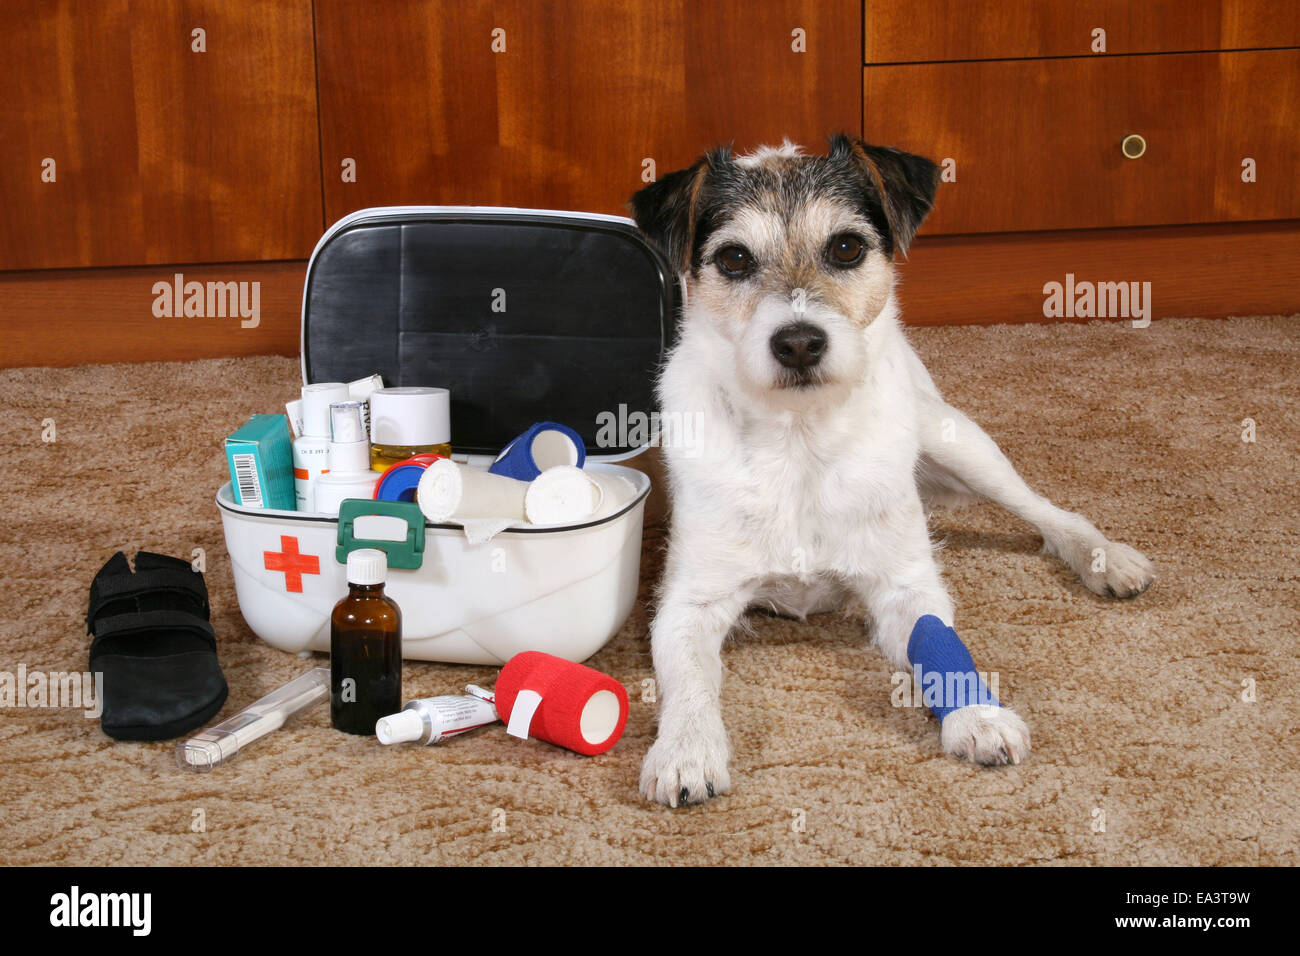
(293, 564)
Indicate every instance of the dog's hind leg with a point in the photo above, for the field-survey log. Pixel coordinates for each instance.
(958, 459)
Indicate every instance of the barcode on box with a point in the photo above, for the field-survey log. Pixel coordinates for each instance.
(250, 489)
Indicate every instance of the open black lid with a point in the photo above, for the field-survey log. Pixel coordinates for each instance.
(523, 315)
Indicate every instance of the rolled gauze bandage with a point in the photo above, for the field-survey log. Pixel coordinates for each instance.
(449, 490)
(565, 494)
(562, 494)
(567, 704)
(944, 669)
(543, 446)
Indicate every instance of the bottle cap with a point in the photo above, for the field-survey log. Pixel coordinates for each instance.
(316, 401)
(345, 422)
(410, 417)
(349, 449)
(400, 727)
(367, 566)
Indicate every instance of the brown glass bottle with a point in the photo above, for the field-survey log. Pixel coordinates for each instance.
(365, 648)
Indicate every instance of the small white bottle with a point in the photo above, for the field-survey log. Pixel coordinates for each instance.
(349, 474)
(311, 448)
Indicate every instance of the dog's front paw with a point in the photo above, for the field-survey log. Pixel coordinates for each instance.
(686, 767)
(985, 734)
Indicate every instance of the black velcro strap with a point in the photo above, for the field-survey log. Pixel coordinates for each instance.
(120, 586)
(141, 622)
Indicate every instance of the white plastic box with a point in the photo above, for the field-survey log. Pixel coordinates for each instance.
(588, 315)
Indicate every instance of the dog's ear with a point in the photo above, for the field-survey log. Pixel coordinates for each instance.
(906, 183)
(667, 210)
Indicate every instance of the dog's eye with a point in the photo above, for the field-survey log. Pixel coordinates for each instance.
(734, 261)
(846, 249)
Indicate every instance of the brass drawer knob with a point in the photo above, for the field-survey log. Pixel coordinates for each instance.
(1133, 146)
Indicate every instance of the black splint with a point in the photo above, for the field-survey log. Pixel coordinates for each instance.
(155, 647)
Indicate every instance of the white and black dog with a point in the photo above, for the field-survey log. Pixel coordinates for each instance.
(822, 438)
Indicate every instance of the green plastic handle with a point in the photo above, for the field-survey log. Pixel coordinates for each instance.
(401, 554)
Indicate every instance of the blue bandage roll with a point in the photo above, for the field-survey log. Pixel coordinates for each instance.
(944, 670)
(543, 446)
(400, 481)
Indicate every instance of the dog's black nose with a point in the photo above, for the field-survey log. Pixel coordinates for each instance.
(799, 346)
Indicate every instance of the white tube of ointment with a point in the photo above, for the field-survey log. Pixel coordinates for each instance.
(431, 720)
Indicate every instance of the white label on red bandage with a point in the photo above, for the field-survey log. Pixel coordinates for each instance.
(521, 714)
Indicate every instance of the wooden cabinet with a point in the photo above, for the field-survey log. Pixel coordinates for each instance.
(122, 144)
(1037, 144)
(1061, 116)
(1028, 103)
(563, 103)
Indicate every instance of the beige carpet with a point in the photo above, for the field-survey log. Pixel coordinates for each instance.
(1144, 750)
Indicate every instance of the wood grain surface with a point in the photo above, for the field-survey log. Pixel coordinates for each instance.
(897, 31)
(1036, 143)
(1203, 271)
(162, 154)
(73, 317)
(83, 316)
(584, 94)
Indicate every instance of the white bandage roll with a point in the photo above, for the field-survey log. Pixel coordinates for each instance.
(565, 494)
(618, 492)
(449, 490)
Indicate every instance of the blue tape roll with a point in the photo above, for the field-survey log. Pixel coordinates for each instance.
(944, 668)
(517, 460)
(399, 483)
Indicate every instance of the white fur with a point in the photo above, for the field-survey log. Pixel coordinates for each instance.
(799, 499)
(763, 154)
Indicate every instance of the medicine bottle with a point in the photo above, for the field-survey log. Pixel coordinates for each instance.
(365, 648)
(409, 421)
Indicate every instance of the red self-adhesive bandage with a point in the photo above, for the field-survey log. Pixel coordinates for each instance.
(567, 704)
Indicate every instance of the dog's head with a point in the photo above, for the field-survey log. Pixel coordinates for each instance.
(789, 257)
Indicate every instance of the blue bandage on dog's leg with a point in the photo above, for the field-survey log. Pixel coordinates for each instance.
(944, 669)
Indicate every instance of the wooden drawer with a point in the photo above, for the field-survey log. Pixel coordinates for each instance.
(906, 31)
(161, 153)
(1036, 143)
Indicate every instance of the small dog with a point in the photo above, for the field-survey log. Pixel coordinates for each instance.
(821, 441)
